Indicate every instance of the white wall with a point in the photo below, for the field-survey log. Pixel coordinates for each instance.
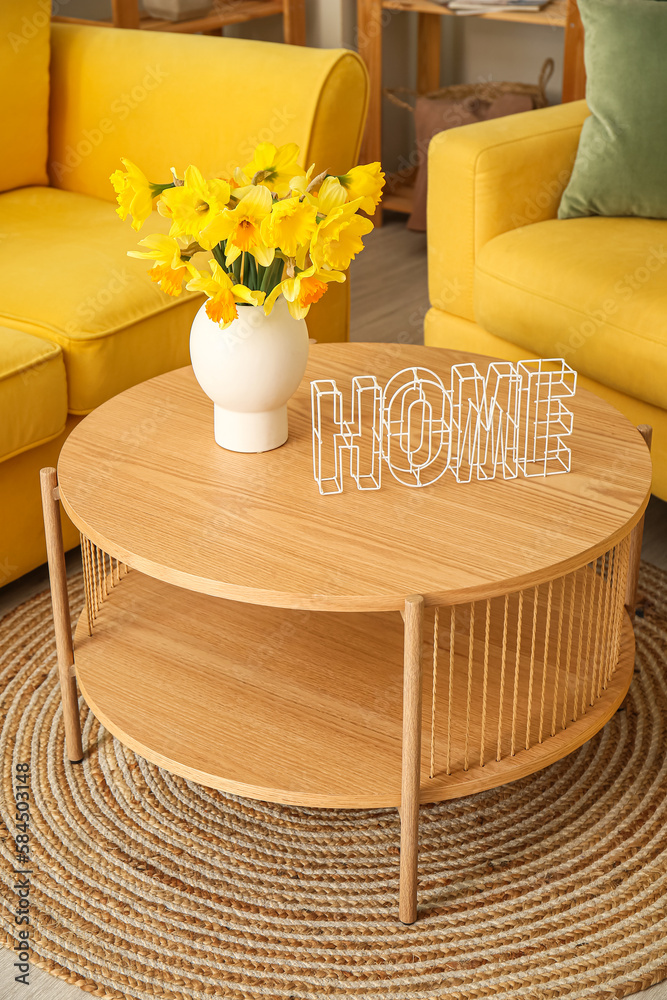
(472, 50)
(95, 9)
(499, 50)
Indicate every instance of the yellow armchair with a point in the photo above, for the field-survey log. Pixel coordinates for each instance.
(507, 278)
(79, 320)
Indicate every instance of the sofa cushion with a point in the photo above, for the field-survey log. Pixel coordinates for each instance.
(24, 92)
(33, 392)
(66, 277)
(590, 290)
(620, 165)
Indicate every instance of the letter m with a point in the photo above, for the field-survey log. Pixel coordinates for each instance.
(485, 421)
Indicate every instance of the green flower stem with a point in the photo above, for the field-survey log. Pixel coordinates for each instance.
(251, 273)
(157, 189)
(219, 254)
(273, 276)
(266, 276)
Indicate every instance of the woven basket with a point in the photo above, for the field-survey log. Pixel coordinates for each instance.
(486, 91)
(449, 107)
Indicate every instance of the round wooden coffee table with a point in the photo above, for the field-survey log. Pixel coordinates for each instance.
(364, 649)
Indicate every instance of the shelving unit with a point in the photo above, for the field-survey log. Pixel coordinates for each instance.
(559, 13)
(126, 14)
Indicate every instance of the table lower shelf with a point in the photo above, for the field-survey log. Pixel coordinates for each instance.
(305, 708)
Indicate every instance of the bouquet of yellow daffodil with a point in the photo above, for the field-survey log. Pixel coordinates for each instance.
(272, 229)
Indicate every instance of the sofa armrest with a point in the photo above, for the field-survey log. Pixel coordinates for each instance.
(488, 178)
(166, 99)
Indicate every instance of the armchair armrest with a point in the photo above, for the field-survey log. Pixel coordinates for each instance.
(488, 178)
(166, 99)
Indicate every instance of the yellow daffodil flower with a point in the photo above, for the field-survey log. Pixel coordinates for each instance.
(365, 182)
(331, 195)
(163, 249)
(289, 225)
(274, 167)
(240, 228)
(300, 231)
(299, 185)
(337, 240)
(134, 193)
(241, 185)
(223, 294)
(169, 281)
(302, 290)
(193, 205)
(170, 268)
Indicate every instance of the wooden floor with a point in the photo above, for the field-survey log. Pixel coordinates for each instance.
(389, 286)
(389, 300)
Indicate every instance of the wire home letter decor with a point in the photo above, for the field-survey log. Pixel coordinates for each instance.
(512, 421)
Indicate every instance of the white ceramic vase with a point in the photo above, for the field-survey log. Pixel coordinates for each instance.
(250, 370)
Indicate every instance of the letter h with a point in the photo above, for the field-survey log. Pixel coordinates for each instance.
(333, 435)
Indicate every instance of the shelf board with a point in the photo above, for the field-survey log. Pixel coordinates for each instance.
(305, 707)
(58, 19)
(554, 15)
(247, 10)
(250, 10)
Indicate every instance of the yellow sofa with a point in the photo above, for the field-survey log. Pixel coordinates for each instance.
(507, 278)
(79, 320)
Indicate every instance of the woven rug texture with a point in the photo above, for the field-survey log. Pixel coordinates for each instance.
(146, 885)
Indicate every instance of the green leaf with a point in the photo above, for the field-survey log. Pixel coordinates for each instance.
(251, 273)
(219, 254)
(275, 275)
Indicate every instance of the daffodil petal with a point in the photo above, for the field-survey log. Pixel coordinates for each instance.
(270, 300)
(264, 255)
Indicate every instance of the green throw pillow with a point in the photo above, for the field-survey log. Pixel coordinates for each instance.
(621, 164)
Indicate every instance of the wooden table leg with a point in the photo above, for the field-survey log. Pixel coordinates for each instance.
(636, 542)
(61, 618)
(411, 778)
(369, 46)
(294, 22)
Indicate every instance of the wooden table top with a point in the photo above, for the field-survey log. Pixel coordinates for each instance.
(143, 478)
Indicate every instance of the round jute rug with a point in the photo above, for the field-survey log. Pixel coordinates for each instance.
(146, 885)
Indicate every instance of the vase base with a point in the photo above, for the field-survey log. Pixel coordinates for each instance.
(250, 432)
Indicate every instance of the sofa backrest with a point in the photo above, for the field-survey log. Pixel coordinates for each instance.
(24, 92)
(168, 99)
